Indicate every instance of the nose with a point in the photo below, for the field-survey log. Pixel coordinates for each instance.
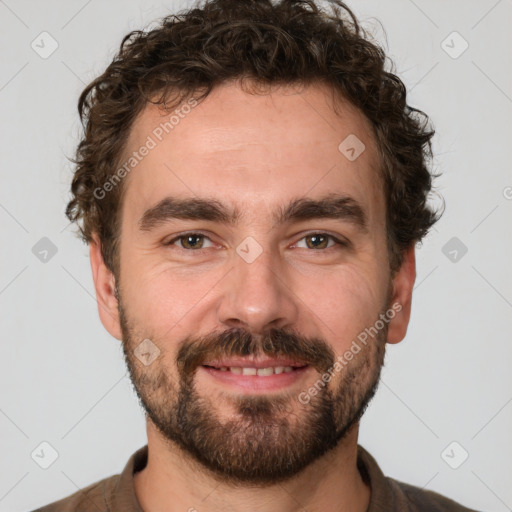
(257, 295)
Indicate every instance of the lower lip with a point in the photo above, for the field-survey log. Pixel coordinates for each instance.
(256, 382)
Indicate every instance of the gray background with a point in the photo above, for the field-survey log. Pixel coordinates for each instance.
(62, 377)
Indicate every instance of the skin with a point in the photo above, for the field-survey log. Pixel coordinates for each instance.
(255, 152)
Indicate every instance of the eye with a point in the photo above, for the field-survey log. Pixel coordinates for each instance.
(198, 241)
(320, 241)
(191, 241)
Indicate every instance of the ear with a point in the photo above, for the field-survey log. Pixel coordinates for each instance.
(104, 283)
(401, 297)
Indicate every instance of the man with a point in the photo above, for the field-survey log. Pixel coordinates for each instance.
(252, 185)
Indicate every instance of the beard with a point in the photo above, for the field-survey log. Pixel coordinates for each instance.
(271, 437)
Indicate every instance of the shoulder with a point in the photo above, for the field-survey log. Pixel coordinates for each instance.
(390, 494)
(92, 497)
(419, 500)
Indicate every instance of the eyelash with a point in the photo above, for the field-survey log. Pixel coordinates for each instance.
(337, 241)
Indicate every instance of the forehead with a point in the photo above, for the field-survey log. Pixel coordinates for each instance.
(252, 150)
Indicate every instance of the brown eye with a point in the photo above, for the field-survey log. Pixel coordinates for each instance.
(322, 242)
(190, 241)
(317, 241)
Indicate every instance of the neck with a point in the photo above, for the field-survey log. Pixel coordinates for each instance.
(171, 482)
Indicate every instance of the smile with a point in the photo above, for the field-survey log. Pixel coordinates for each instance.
(260, 372)
(255, 376)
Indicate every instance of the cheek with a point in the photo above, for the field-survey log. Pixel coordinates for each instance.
(348, 301)
(162, 298)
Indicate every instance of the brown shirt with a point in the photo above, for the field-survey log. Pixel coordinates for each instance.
(117, 493)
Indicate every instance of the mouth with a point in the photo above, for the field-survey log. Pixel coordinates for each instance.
(251, 370)
(250, 375)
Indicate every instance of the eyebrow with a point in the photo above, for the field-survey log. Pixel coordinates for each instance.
(333, 206)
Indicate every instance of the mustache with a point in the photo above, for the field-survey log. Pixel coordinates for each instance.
(234, 342)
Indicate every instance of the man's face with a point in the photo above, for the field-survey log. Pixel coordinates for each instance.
(294, 286)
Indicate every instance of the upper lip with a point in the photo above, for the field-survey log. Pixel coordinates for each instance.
(249, 362)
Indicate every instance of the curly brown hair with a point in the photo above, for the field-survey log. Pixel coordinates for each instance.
(289, 42)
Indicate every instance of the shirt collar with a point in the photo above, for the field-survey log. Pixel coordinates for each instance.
(123, 497)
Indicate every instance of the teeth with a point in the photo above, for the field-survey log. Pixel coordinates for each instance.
(271, 370)
(265, 371)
